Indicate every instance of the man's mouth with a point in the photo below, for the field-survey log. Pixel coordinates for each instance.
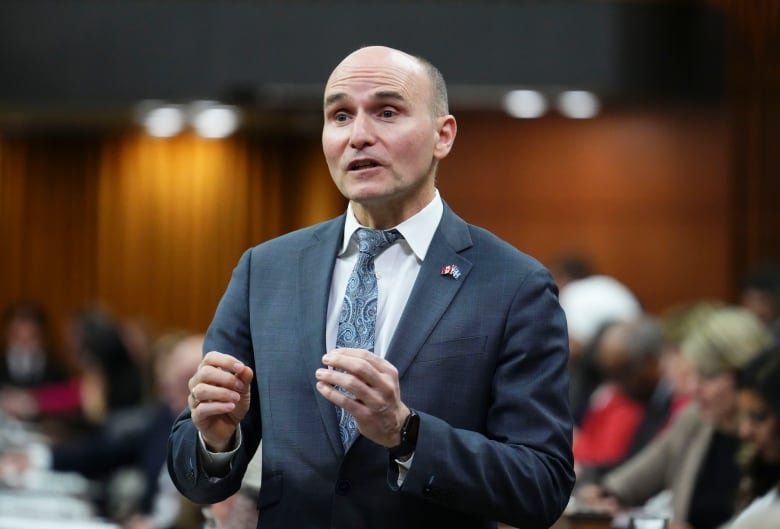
(362, 164)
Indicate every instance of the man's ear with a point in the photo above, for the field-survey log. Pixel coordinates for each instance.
(446, 130)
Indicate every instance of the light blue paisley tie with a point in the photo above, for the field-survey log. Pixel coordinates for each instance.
(357, 321)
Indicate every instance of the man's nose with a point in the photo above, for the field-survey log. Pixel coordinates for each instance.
(362, 132)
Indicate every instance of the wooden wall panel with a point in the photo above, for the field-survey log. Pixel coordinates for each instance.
(754, 99)
(644, 195)
(172, 224)
(148, 228)
(48, 223)
(176, 214)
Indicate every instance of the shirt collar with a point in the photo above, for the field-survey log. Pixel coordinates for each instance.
(417, 230)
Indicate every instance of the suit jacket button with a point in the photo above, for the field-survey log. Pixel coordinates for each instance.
(343, 487)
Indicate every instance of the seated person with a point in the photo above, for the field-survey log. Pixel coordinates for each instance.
(633, 404)
(589, 304)
(35, 384)
(696, 457)
(759, 424)
(760, 293)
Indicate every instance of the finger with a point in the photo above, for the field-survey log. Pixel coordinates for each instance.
(219, 377)
(342, 380)
(361, 363)
(223, 361)
(207, 409)
(203, 392)
(245, 375)
(347, 354)
(371, 387)
(337, 397)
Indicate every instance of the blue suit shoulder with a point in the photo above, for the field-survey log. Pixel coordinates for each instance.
(288, 244)
(506, 256)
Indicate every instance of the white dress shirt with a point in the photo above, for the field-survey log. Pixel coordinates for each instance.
(396, 271)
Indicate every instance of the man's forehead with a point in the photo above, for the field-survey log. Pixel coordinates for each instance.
(378, 65)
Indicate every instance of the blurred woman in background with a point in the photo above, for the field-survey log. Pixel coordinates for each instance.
(759, 425)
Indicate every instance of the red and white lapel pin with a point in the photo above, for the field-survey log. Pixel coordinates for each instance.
(450, 270)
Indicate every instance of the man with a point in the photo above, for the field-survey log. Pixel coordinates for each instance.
(468, 334)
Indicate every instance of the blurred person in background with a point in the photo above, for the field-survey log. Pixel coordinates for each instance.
(138, 337)
(759, 424)
(589, 305)
(35, 383)
(632, 405)
(130, 439)
(28, 352)
(760, 294)
(111, 379)
(696, 458)
(677, 322)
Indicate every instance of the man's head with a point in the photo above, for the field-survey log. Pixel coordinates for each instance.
(26, 328)
(628, 353)
(386, 127)
(761, 293)
(177, 361)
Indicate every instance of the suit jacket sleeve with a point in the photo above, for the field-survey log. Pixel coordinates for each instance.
(228, 333)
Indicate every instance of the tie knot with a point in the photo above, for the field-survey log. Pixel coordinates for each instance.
(372, 242)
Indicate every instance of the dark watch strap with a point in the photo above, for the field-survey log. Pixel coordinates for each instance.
(409, 432)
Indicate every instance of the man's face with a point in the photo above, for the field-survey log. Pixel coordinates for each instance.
(380, 138)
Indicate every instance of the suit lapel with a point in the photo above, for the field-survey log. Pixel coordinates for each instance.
(315, 270)
(433, 290)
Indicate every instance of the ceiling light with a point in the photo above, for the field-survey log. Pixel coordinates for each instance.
(525, 104)
(213, 120)
(164, 121)
(578, 104)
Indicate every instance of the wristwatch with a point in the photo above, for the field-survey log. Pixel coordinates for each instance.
(408, 437)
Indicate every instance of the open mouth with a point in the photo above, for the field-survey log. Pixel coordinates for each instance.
(362, 164)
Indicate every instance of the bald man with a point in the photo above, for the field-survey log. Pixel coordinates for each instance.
(425, 388)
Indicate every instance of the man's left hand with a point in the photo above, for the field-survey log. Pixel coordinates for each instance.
(375, 400)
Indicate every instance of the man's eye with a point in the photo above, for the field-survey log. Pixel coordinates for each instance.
(388, 114)
(340, 116)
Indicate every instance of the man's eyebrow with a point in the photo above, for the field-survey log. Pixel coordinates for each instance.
(335, 98)
(389, 94)
(381, 95)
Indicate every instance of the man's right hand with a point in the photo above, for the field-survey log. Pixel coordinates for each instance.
(220, 391)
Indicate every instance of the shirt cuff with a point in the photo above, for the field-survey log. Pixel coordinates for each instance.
(217, 464)
(403, 469)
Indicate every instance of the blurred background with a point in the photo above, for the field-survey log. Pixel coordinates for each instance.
(639, 136)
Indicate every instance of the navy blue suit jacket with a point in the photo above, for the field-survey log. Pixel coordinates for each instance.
(481, 357)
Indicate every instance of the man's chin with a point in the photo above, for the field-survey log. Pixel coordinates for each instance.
(367, 193)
